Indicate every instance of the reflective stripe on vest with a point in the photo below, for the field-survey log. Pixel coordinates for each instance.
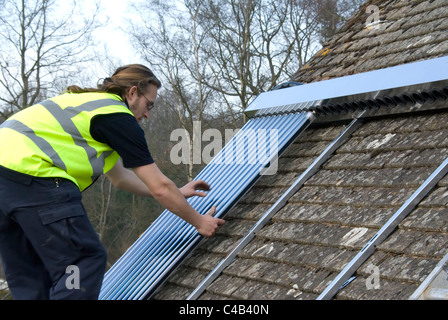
(65, 118)
(40, 142)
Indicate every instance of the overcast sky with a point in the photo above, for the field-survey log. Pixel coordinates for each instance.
(113, 33)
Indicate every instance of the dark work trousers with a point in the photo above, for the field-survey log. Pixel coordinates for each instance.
(48, 246)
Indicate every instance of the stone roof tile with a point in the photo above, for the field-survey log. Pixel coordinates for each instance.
(432, 219)
(326, 222)
(409, 31)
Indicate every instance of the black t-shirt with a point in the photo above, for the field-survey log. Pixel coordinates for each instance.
(122, 133)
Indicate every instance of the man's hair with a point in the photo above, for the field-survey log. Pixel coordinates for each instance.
(122, 80)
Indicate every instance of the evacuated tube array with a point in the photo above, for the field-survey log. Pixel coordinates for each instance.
(150, 260)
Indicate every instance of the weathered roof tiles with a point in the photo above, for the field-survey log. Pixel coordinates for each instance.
(327, 221)
(409, 31)
(338, 210)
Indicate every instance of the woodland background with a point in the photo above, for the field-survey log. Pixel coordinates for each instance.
(212, 56)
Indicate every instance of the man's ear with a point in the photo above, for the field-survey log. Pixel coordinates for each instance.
(132, 92)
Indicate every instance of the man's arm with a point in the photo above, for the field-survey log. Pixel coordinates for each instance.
(127, 180)
(148, 180)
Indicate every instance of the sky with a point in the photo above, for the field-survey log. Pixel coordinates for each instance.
(113, 34)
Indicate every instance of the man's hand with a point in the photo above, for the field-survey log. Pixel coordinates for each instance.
(209, 225)
(191, 189)
(154, 182)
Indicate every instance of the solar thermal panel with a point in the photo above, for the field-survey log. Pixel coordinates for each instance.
(151, 259)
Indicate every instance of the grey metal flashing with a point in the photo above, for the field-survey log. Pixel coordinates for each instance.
(279, 204)
(398, 99)
(418, 83)
(384, 232)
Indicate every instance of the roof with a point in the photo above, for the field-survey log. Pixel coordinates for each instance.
(408, 31)
(329, 220)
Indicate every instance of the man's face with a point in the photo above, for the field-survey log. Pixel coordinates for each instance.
(141, 104)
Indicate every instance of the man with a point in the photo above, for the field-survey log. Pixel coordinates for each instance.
(50, 153)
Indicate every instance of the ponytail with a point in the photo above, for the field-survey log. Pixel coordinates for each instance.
(122, 80)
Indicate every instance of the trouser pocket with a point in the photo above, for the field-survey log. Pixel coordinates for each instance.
(63, 224)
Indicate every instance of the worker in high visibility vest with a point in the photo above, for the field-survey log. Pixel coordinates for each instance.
(50, 153)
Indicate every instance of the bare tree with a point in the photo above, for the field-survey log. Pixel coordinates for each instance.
(223, 53)
(213, 53)
(41, 42)
(106, 201)
(256, 44)
(175, 50)
(331, 15)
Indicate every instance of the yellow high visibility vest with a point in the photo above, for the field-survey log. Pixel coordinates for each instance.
(52, 138)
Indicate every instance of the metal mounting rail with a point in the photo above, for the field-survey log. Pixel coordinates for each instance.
(433, 282)
(309, 172)
(384, 232)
